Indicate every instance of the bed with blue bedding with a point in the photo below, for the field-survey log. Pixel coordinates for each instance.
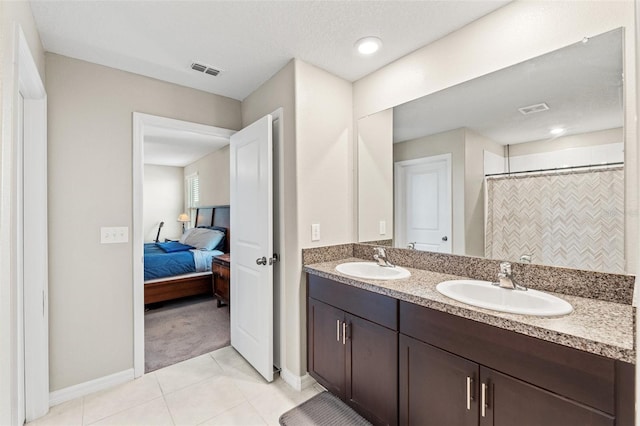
(160, 263)
(176, 269)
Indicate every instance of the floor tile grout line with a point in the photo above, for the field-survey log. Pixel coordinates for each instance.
(82, 410)
(164, 398)
(122, 411)
(190, 384)
(266, 422)
(118, 412)
(222, 412)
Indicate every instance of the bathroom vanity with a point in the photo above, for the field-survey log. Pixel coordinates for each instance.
(398, 352)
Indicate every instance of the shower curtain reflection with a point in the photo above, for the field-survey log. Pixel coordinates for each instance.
(572, 218)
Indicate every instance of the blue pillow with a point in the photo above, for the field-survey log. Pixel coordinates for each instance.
(173, 246)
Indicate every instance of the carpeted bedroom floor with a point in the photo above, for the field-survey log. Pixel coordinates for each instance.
(184, 329)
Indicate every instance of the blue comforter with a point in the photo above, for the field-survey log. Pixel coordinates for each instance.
(160, 264)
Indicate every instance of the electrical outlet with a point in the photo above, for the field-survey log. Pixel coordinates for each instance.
(111, 235)
(383, 227)
(315, 232)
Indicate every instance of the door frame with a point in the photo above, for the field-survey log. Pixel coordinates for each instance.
(24, 372)
(399, 231)
(141, 122)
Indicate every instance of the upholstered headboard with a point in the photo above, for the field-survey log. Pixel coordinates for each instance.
(215, 216)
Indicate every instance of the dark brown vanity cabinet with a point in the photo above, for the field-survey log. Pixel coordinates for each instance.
(436, 387)
(353, 347)
(439, 388)
(398, 362)
(454, 371)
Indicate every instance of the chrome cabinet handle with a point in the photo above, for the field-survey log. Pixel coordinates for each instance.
(469, 381)
(483, 400)
(261, 260)
(338, 330)
(344, 333)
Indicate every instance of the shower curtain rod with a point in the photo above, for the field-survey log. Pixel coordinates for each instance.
(621, 163)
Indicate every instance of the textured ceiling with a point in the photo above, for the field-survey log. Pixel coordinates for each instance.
(248, 40)
(582, 85)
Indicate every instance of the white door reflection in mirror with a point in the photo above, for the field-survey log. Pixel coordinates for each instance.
(423, 203)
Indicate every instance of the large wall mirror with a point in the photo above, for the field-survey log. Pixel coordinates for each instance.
(525, 164)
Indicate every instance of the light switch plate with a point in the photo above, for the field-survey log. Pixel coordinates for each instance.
(315, 232)
(111, 234)
(383, 227)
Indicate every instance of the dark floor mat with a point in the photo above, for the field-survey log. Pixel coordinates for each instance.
(323, 409)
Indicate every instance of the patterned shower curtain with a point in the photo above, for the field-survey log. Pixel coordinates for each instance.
(573, 218)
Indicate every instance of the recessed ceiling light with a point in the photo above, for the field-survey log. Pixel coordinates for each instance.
(557, 131)
(368, 45)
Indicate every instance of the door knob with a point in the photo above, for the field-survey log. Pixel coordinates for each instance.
(261, 260)
(445, 238)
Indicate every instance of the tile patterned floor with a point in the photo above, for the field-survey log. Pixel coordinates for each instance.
(219, 388)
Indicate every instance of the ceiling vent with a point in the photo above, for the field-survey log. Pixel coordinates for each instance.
(205, 69)
(532, 109)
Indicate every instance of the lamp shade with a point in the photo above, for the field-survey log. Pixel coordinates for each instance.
(183, 217)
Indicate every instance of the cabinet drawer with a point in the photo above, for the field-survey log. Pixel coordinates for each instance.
(581, 376)
(221, 287)
(221, 270)
(374, 307)
(215, 269)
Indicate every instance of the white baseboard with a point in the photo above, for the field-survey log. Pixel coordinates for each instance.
(297, 382)
(86, 388)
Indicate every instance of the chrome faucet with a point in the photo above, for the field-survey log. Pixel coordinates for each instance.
(380, 256)
(505, 278)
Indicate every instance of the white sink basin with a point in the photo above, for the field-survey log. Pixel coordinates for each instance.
(484, 295)
(372, 271)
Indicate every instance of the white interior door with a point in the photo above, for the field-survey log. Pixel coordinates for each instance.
(252, 245)
(423, 203)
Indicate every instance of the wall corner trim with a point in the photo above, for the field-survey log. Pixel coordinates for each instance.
(86, 388)
(297, 382)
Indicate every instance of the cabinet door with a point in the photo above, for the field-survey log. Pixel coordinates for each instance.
(436, 387)
(325, 345)
(372, 376)
(509, 402)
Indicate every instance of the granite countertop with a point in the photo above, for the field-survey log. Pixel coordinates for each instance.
(596, 326)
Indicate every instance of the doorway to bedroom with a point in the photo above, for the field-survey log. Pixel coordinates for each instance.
(182, 167)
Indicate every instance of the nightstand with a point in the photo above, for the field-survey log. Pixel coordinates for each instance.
(221, 272)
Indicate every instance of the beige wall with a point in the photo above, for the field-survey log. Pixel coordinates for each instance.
(519, 31)
(324, 135)
(12, 15)
(90, 185)
(451, 142)
(317, 179)
(375, 176)
(475, 145)
(163, 201)
(213, 176)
